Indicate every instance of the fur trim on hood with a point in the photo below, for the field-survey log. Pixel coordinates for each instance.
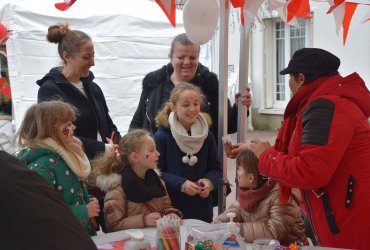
(107, 182)
(82, 168)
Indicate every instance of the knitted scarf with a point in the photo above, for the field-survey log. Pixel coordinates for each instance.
(293, 109)
(141, 190)
(189, 144)
(249, 198)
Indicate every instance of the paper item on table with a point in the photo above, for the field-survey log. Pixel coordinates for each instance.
(105, 246)
(117, 245)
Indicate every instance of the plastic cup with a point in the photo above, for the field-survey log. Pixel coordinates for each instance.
(168, 242)
(228, 145)
(265, 244)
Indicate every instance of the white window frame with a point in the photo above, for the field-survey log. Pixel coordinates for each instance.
(271, 105)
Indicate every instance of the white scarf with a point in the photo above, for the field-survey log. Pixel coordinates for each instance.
(189, 144)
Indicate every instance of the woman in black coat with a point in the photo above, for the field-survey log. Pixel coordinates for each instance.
(73, 83)
(184, 67)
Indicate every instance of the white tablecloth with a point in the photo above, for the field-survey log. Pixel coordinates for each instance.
(150, 234)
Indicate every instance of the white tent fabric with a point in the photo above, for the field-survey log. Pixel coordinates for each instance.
(131, 39)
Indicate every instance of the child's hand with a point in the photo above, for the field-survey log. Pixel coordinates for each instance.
(151, 219)
(207, 185)
(76, 145)
(93, 208)
(77, 140)
(191, 188)
(173, 216)
(216, 221)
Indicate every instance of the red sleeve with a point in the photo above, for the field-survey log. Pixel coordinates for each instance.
(313, 166)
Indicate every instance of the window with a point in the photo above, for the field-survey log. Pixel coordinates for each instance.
(281, 41)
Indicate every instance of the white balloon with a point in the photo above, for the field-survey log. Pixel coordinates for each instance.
(200, 20)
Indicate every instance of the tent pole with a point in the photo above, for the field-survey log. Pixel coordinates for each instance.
(222, 97)
(243, 80)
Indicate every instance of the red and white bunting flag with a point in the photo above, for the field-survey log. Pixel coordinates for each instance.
(65, 5)
(169, 8)
(298, 8)
(366, 17)
(350, 9)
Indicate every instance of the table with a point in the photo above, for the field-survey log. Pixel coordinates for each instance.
(150, 235)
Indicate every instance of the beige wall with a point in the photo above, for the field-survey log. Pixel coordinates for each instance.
(265, 121)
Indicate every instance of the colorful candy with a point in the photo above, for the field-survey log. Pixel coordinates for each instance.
(199, 184)
(205, 245)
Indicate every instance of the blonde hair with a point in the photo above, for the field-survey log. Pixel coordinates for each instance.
(68, 40)
(42, 120)
(130, 142)
(163, 114)
(249, 161)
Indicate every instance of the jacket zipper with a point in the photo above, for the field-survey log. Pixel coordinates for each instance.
(310, 218)
(92, 105)
(308, 210)
(147, 116)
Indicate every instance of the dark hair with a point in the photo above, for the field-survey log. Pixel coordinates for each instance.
(180, 39)
(309, 77)
(68, 40)
(249, 161)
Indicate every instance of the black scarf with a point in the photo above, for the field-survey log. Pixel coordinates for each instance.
(141, 190)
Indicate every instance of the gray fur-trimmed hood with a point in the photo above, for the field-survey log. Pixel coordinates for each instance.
(107, 182)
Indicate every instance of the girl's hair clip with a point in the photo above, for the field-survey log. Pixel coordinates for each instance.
(117, 153)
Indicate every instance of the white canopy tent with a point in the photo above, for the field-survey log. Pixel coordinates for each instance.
(131, 39)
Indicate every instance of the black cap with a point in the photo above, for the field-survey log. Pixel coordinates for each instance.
(312, 61)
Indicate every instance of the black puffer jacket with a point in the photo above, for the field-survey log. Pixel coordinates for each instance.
(93, 114)
(151, 95)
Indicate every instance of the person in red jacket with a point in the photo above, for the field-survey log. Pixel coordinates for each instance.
(323, 148)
